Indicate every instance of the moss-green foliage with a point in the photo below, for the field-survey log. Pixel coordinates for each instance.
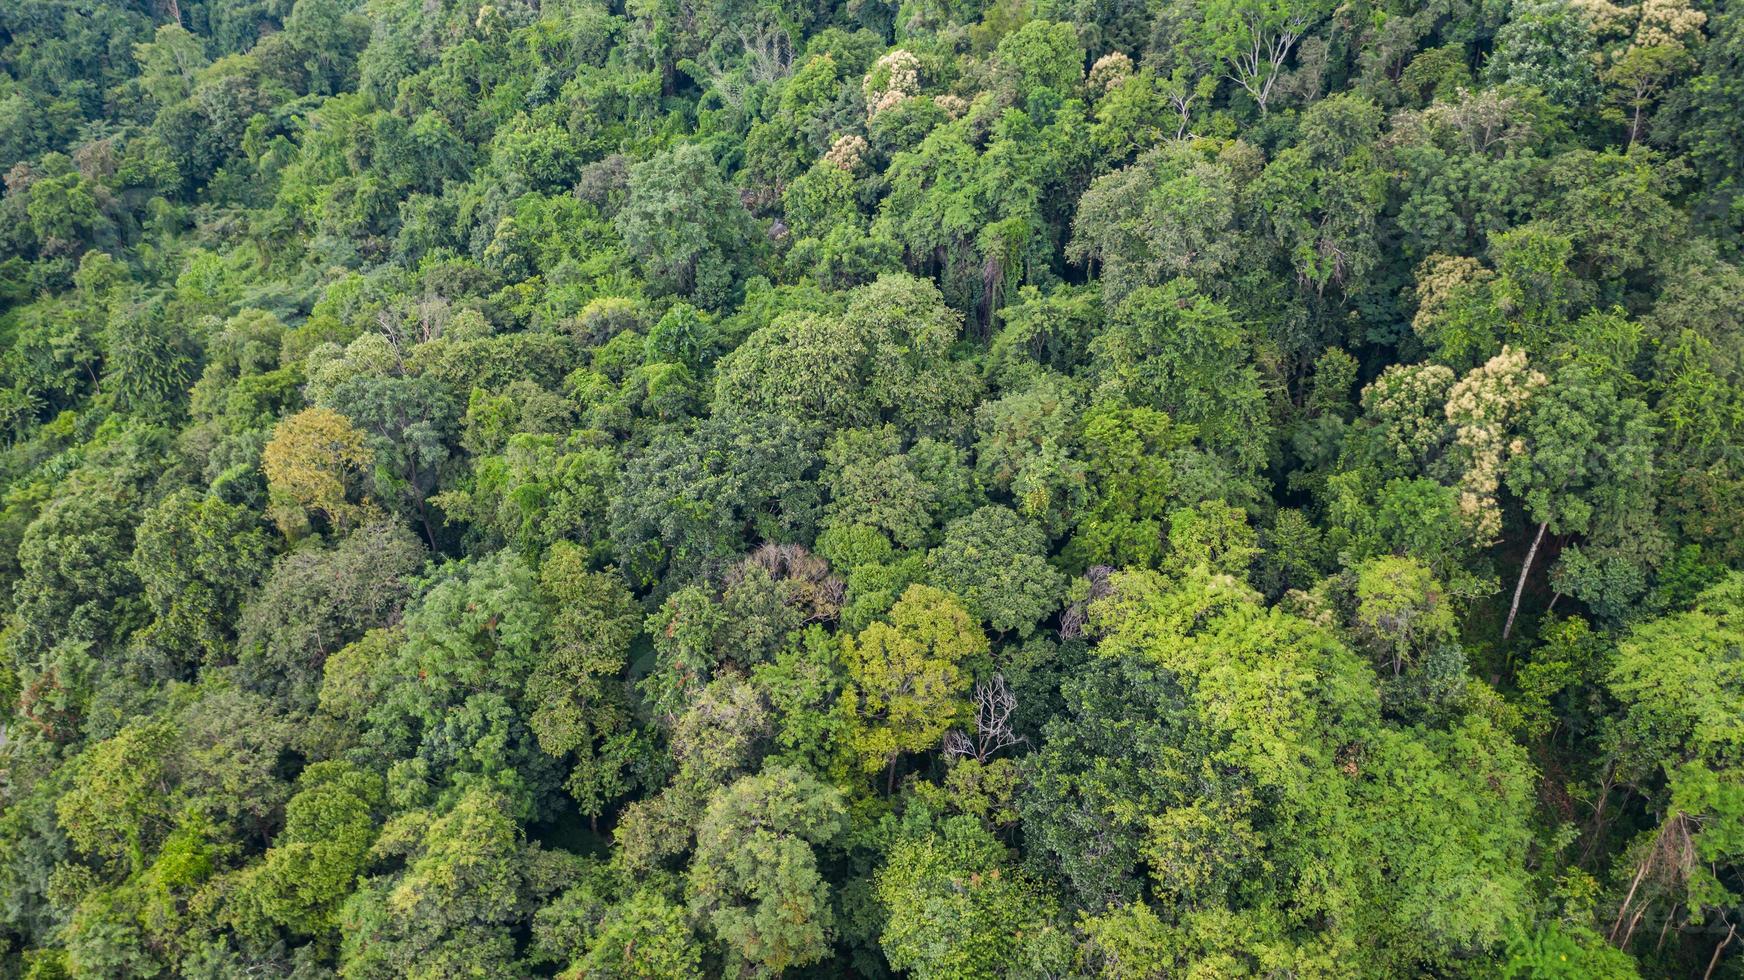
(948, 489)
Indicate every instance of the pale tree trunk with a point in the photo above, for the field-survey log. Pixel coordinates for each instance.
(1597, 827)
(1715, 959)
(1520, 584)
(1623, 910)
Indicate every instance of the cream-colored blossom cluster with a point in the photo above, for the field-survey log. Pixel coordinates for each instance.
(1481, 408)
(848, 152)
(1109, 70)
(893, 78)
(1650, 23)
(1672, 23)
(1441, 279)
(954, 105)
(1406, 402)
(1602, 16)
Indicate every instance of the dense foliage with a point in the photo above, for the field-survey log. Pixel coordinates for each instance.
(955, 489)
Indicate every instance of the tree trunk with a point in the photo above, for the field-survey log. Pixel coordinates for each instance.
(1714, 960)
(1623, 910)
(1520, 584)
(1597, 827)
(429, 532)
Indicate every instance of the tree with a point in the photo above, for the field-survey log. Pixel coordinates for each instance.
(1320, 200)
(314, 466)
(329, 35)
(467, 874)
(686, 226)
(1263, 696)
(996, 562)
(1172, 213)
(1676, 741)
(1024, 450)
(1484, 409)
(116, 810)
(886, 357)
(1102, 764)
(1214, 536)
(908, 678)
(1128, 465)
(312, 867)
(1546, 46)
(1176, 350)
(451, 700)
(579, 706)
(319, 598)
(1040, 55)
(541, 488)
(1637, 79)
(645, 937)
(197, 559)
(1705, 103)
(1251, 39)
(956, 907)
(1401, 611)
(908, 494)
(145, 369)
(699, 499)
(410, 422)
(74, 582)
(1588, 454)
(755, 878)
(168, 63)
(64, 212)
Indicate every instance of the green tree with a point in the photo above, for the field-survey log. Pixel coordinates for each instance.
(1401, 612)
(1173, 212)
(1588, 458)
(115, 809)
(1176, 350)
(1320, 200)
(410, 423)
(1214, 536)
(908, 678)
(755, 879)
(957, 907)
(197, 559)
(169, 62)
(1546, 46)
(686, 227)
(875, 483)
(1676, 741)
(645, 937)
(693, 501)
(579, 703)
(145, 368)
(996, 562)
(313, 865)
(1249, 39)
(467, 876)
(319, 598)
(886, 357)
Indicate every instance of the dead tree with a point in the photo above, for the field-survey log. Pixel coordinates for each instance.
(994, 706)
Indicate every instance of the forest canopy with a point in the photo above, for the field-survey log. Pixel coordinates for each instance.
(950, 489)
